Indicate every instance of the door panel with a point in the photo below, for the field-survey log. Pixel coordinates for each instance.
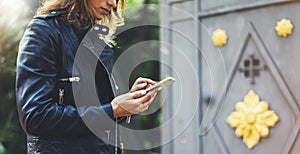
(252, 35)
(254, 58)
(267, 85)
(285, 51)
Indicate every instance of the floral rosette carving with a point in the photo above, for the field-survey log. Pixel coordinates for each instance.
(252, 119)
(284, 27)
(219, 38)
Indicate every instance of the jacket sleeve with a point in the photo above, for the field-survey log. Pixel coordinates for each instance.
(36, 81)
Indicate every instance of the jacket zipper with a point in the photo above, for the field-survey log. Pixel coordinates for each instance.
(61, 91)
(112, 82)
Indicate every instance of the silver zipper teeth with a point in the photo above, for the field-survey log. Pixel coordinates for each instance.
(110, 78)
(114, 91)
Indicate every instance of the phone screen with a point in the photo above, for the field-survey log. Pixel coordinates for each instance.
(163, 83)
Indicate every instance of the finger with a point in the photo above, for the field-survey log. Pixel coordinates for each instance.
(138, 94)
(150, 100)
(139, 86)
(143, 107)
(148, 103)
(147, 80)
(149, 85)
(142, 99)
(140, 83)
(153, 92)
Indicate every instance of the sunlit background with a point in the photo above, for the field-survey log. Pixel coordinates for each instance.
(14, 16)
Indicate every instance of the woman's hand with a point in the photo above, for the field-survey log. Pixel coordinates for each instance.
(141, 83)
(135, 101)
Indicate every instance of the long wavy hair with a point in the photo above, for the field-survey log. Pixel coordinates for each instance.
(84, 10)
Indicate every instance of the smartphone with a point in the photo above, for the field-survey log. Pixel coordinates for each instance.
(163, 83)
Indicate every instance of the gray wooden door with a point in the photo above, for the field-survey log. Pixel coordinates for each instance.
(254, 60)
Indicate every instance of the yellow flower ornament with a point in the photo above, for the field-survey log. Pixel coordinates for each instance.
(284, 27)
(252, 119)
(219, 38)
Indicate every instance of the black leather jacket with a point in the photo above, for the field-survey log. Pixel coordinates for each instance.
(63, 88)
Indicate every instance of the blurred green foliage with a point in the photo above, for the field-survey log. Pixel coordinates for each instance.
(133, 32)
(12, 24)
(13, 21)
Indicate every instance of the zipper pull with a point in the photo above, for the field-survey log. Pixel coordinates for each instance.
(108, 134)
(61, 94)
(71, 79)
(74, 79)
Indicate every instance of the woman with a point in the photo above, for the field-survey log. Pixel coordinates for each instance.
(65, 98)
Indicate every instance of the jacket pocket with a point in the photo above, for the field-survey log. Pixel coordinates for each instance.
(65, 92)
